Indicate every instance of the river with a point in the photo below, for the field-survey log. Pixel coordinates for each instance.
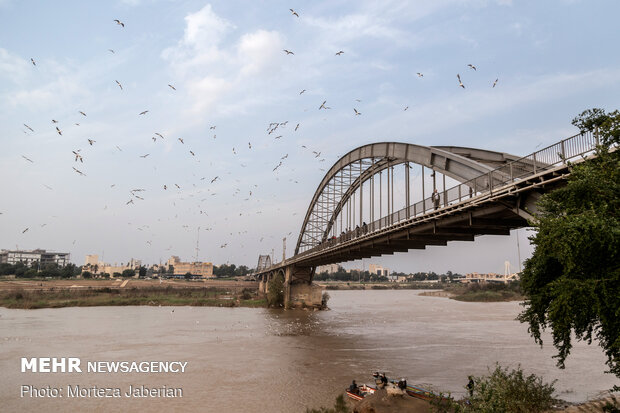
(259, 360)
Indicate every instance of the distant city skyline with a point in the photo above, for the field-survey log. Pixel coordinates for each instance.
(123, 141)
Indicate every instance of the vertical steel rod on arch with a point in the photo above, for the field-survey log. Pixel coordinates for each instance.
(380, 196)
(372, 192)
(423, 199)
(361, 193)
(388, 194)
(392, 213)
(407, 187)
(445, 194)
(341, 179)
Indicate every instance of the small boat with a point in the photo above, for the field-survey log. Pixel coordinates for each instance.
(420, 393)
(364, 390)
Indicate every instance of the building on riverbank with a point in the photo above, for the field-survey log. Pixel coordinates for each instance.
(30, 257)
(329, 268)
(201, 269)
(378, 270)
(474, 277)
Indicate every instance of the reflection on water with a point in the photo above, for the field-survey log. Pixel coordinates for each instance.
(246, 360)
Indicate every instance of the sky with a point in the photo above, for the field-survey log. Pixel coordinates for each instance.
(214, 75)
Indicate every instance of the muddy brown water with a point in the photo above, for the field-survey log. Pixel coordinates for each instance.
(259, 360)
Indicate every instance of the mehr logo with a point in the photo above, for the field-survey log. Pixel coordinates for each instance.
(51, 365)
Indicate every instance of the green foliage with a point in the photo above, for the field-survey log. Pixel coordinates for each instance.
(324, 300)
(142, 271)
(502, 391)
(340, 406)
(128, 273)
(231, 270)
(275, 293)
(572, 280)
(612, 406)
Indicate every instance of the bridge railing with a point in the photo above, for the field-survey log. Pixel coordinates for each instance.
(510, 173)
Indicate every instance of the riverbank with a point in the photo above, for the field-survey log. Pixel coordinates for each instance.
(82, 293)
(381, 402)
(471, 292)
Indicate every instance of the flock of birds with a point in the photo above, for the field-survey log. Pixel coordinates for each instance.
(274, 129)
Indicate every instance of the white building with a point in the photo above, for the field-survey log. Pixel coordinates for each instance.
(378, 270)
(28, 257)
(329, 268)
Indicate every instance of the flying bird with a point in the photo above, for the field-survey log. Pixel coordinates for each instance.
(143, 112)
(192, 153)
(213, 127)
(78, 156)
(31, 130)
(24, 231)
(214, 179)
(288, 52)
(172, 87)
(33, 62)
(159, 134)
(54, 121)
(119, 148)
(279, 165)
(406, 107)
(284, 157)
(165, 187)
(111, 51)
(249, 145)
(323, 105)
(144, 156)
(119, 84)
(78, 171)
(82, 112)
(177, 186)
(472, 66)
(495, 83)
(297, 127)
(460, 83)
(420, 74)
(294, 13)
(28, 159)
(129, 202)
(58, 130)
(302, 91)
(339, 53)
(181, 140)
(356, 112)
(120, 23)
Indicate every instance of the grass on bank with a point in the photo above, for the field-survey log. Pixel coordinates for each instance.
(485, 292)
(154, 296)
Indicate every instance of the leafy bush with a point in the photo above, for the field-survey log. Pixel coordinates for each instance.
(503, 391)
(275, 292)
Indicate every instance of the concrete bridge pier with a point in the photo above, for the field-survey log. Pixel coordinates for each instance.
(299, 291)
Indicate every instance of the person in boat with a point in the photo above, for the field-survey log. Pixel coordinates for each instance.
(402, 384)
(353, 388)
(384, 379)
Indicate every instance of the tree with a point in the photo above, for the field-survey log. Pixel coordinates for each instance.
(142, 271)
(502, 391)
(275, 293)
(128, 273)
(572, 281)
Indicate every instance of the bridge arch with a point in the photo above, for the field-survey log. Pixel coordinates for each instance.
(363, 163)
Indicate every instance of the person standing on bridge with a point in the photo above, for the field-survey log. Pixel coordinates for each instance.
(435, 198)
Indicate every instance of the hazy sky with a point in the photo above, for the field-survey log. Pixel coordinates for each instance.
(226, 61)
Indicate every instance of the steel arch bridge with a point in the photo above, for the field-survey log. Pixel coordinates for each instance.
(354, 214)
